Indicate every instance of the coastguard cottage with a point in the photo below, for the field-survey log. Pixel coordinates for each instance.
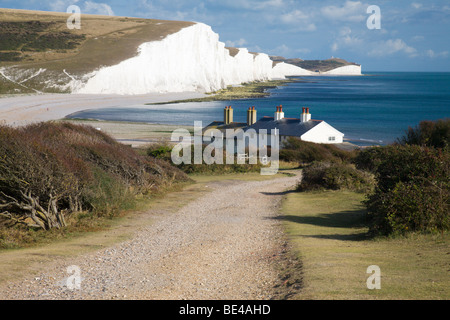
(304, 127)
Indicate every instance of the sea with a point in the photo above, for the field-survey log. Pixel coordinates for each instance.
(373, 109)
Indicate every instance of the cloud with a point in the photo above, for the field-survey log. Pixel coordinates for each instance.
(392, 46)
(346, 39)
(351, 11)
(299, 19)
(97, 8)
(89, 7)
(430, 53)
(282, 50)
(237, 44)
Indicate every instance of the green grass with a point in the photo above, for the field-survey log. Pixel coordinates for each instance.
(252, 90)
(327, 232)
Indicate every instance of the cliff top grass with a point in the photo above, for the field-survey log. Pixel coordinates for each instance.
(101, 41)
(32, 40)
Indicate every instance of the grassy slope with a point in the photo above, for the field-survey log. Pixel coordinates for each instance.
(108, 40)
(327, 232)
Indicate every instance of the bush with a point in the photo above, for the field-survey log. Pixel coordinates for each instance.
(303, 152)
(428, 133)
(48, 171)
(335, 176)
(163, 151)
(413, 189)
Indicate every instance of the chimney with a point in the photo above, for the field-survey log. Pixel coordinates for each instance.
(308, 115)
(251, 116)
(305, 116)
(228, 115)
(225, 115)
(279, 114)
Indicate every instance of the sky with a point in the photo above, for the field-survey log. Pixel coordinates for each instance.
(396, 35)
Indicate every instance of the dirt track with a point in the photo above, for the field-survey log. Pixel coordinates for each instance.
(223, 245)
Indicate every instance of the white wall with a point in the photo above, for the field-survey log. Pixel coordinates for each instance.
(321, 133)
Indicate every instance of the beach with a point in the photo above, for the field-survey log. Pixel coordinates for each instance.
(27, 109)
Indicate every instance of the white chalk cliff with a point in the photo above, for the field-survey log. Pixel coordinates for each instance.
(345, 70)
(192, 59)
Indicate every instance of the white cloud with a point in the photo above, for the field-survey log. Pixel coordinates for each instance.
(416, 5)
(334, 47)
(61, 5)
(353, 11)
(237, 44)
(430, 53)
(392, 46)
(298, 19)
(97, 8)
(282, 50)
(88, 7)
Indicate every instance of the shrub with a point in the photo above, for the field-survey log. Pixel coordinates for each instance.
(335, 176)
(49, 170)
(428, 133)
(412, 192)
(163, 151)
(303, 152)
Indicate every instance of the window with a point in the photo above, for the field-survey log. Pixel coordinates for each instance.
(331, 138)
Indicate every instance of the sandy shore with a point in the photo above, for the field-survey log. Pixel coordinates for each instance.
(26, 109)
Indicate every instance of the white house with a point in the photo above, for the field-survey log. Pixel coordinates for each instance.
(305, 128)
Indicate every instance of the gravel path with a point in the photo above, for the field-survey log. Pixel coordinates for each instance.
(221, 246)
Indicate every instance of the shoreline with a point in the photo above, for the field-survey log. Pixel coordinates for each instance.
(27, 109)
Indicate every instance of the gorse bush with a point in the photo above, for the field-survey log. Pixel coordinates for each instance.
(335, 176)
(412, 191)
(48, 171)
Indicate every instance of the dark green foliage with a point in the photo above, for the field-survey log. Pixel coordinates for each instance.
(428, 133)
(413, 189)
(54, 40)
(335, 176)
(35, 36)
(303, 152)
(10, 56)
(163, 151)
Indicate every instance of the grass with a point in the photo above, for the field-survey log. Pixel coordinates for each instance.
(47, 43)
(326, 231)
(252, 90)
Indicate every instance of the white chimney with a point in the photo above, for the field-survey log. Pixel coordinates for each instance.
(305, 116)
(279, 114)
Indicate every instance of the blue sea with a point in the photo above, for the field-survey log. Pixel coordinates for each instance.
(375, 108)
